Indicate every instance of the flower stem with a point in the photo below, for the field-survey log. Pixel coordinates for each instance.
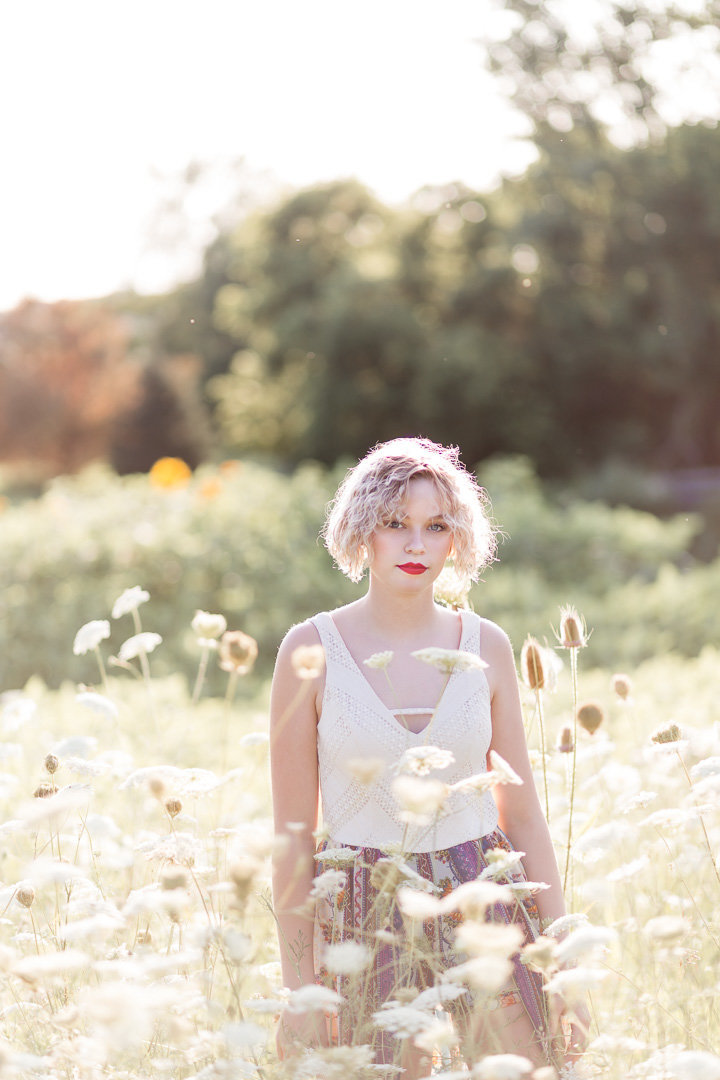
(574, 674)
(202, 670)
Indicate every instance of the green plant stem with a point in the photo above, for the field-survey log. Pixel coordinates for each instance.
(574, 676)
(103, 673)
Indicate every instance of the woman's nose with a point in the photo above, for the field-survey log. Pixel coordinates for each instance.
(414, 541)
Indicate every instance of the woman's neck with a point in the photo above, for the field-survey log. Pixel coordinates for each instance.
(397, 615)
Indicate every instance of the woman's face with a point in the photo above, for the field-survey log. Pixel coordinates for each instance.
(410, 549)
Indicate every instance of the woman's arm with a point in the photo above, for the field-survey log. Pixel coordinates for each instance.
(519, 810)
(294, 777)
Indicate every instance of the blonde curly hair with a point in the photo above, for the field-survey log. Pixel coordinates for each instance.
(375, 488)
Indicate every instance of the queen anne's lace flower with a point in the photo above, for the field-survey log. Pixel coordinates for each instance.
(90, 635)
(449, 660)
(129, 601)
(139, 643)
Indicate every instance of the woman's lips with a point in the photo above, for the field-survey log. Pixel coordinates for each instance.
(412, 568)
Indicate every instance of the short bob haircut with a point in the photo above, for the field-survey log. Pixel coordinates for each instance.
(375, 488)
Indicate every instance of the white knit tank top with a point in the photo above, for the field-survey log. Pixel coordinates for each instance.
(355, 725)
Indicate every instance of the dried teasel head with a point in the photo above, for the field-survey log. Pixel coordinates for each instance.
(533, 666)
(25, 896)
(622, 686)
(565, 741)
(173, 807)
(237, 652)
(43, 790)
(668, 733)
(51, 764)
(573, 632)
(590, 716)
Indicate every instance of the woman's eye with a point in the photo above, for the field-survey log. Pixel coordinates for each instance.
(438, 526)
(394, 524)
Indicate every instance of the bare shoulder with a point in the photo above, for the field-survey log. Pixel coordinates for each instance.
(298, 636)
(497, 651)
(298, 664)
(493, 638)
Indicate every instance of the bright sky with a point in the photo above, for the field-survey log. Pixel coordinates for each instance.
(98, 96)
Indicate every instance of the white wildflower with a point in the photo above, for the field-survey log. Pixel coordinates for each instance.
(503, 1067)
(90, 635)
(312, 998)
(420, 798)
(440, 1034)
(451, 590)
(484, 939)
(485, 973)
(139, 644)
(255, 738)
(450, 660)
(379, 661)
(244, 1034)
(438, 995)
(421, 760)
(501, 863)
(57, 964)
(583, 942)
(98, 703)
(565, 924)
(629, 870)
(666, 928)
(130, 600)
(340, 856)
(347, 957)
(328, 884)
(365, 770)
(695, 1065)
(503, 772)
(402, 1020)
(479, 783)
(207, 627)
(473, 898)
(416, 904)
(573, 984)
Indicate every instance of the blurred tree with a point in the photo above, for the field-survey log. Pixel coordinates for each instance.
(63, 377)
(165, 419)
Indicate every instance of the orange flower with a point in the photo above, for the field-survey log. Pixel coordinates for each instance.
(170, 472)
(210, 488)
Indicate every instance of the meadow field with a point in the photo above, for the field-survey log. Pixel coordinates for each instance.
(136, 931)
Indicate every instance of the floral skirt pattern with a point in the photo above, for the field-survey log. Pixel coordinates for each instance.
(358, 904)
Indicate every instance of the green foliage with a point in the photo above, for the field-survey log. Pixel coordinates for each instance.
(242, 540)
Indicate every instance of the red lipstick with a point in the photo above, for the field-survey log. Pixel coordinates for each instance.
(413, 568)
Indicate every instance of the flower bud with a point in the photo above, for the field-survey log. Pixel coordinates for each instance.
(207, 627)
(622, 686)
(590, 716)
(565, 742)
(573, 633)
(238, 652)
(25, 895)
(173, 807)
(308, 661)
(532, 664)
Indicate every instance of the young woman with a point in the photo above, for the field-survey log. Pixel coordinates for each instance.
(342, 739)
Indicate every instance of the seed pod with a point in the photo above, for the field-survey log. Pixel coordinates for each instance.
(565, 742)
(532, 664)
(237, 652)
(573, 634)
(590, 716)
(668, 733)
(25, 895)
(173, 807)
(52, 764)
(43, 791)
(622, 686)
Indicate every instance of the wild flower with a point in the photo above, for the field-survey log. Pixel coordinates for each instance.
(485, 939)
(583, 942)
(667, 733)
(237, 652)
(379, 661)
(51, 764)
(540, 955)
(313, 998)
(208, 627)
(485, 973)
(328, 884)
(421, 760)
(129, 601)
(420, 798)
(25, 895)
(98, 703)
(402, 1020)
(308, 661)
(574, 983)
(450, 660)
(503, 1067)
(666, 928)
(590, 716)
(347, 957)
(365, 770)
(500, 863)
(90, 635)
(139, 645)
(694, 1065)
(451, 590)
(503, 773)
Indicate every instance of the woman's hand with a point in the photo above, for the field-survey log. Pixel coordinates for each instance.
(297, 1031)
(569, 1027)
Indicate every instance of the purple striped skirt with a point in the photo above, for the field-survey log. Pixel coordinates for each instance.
(359, 905)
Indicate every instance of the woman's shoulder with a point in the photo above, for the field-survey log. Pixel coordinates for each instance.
(492, 636)
(302, 633)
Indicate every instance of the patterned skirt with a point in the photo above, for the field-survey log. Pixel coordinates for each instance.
(356, 901)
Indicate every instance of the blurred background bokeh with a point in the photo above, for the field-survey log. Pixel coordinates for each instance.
(554, 311)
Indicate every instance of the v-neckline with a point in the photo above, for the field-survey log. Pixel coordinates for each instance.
(402, 728)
